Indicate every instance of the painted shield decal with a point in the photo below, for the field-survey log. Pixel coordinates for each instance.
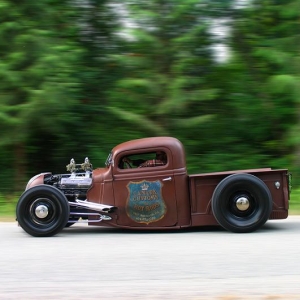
(145, 203)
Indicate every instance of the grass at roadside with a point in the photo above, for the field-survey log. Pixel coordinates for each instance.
(295, 202)
(8, 206)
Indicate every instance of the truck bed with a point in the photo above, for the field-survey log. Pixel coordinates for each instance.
(203, 185)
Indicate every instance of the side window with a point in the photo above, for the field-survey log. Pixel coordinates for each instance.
(142, 160)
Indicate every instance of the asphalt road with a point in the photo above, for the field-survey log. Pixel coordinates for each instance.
(99, 263)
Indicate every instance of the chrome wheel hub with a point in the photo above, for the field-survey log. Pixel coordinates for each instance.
(242, 203)
(41, 211)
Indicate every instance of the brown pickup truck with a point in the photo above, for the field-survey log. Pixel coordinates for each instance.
(145, 185)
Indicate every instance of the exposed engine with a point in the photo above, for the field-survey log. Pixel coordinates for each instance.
(76, 184)
(75, 187)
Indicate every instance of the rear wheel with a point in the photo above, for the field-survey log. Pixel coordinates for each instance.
(43, 211)
(241, 203)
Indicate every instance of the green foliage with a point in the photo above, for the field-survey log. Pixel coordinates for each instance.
(295, 201)
(7, 207)
(165, 91)
(259, 91)
(77, 78)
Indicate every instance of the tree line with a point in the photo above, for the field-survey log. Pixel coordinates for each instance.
(79, 77)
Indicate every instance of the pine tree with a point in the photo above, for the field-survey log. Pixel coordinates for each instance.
(37, 86)
(167, 60)
(264, 93)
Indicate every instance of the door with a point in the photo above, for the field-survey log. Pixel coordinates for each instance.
(145, 196)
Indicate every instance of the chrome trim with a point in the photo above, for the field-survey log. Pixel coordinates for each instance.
(242, 203)
(167, 179)
(41, 211)
(100, 217)
(93, 206)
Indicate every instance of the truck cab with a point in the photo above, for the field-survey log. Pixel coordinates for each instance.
(151, 196)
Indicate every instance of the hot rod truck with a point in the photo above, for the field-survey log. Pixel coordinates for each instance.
(129, 193)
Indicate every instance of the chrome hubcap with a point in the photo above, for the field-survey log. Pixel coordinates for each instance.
(41, 211)
(242, 203)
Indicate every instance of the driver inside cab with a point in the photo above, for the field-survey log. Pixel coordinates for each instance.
(159, 160)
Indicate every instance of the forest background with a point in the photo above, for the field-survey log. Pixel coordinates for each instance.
(80, 76)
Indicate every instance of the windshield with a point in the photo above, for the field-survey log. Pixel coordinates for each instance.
(108, 161)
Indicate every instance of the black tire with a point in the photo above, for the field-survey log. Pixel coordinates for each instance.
(43, 211)
(73, 220)
(241, 203)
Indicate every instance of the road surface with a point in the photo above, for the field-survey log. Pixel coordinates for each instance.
(100, 263)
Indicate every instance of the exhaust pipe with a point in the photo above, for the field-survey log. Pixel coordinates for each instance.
(93, 206)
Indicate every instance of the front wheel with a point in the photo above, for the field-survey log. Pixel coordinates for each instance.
(241, 203)
(42, 211)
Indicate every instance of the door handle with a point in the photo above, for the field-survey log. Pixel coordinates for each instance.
(167, 179)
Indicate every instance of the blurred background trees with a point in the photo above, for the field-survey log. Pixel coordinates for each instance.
(78, 77)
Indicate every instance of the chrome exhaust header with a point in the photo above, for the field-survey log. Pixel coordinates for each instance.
(97, 217)
(93, 206)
